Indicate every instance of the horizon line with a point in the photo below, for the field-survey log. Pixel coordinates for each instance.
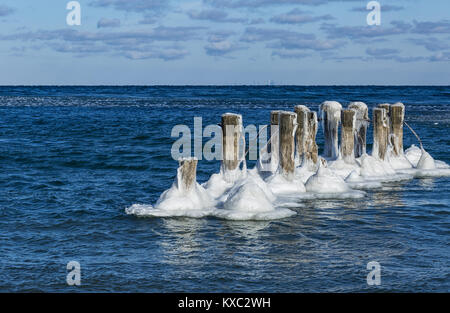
(224, 85)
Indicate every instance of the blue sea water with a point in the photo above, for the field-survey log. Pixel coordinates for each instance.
(73, 158)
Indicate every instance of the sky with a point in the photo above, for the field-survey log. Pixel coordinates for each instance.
(225, 42)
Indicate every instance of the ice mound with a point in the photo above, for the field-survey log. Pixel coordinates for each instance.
(374, 169)
(342, 168)
(428, 167)
(217, 185)
(399, 162)
(356, 181)
(413, 155)
(327, 185)
(426, 162)
(176, 202)
(250, 200)
(279, 185)
(325, 181)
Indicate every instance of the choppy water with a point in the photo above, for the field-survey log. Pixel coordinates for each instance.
(73, 158)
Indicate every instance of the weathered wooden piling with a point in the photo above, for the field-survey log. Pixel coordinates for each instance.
(331, 118)
(385, 106)
(362, 122)
(187, 173)
(312, 150)
(348, 118)
(302, 129)
(380, 133)
(287, 124)
(275, 140)
(397, 117)
(231, 136)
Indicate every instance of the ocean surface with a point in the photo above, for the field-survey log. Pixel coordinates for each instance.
(73, 158)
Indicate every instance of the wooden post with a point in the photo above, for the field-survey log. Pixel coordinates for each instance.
(348, 118)
(231, 128)
(302, 129)
(187, 173)
(380, 133)
(362, 122)
(385, 106)
(331, 118)
(397, 117)
(312, 150)
(288, 123)
(275, 140)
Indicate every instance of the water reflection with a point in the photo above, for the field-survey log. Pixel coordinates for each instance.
(182, 240)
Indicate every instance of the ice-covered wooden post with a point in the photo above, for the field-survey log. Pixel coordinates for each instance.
(385, 106)
(231, 136)
(362, 121)
(287, 124)
(380, 133)
(348, 118)
(312, 150)
(302, 129)
(187, 173)
(331, 118)
(397, 117)
(274, 140)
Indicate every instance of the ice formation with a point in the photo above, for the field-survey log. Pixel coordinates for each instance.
(254, 194)
(330, 114)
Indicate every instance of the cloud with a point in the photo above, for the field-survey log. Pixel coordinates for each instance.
(148, 19)
(361, 32)
(281, 40)
(431, 44)
(297, 16)
(384, 8)
(308, 44)
(160, 33)
(130, 44)
(5, 10)
(388, 57)
(220, 35)
(167, 54)
(427, 28)
(256, 21)
(104, 22)
(381, 52)
(153, 7)
(290, 54)
(267, 3)
(221, 48)
(218, 16)
(391, 54)
(440, 57)
(253, 34)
